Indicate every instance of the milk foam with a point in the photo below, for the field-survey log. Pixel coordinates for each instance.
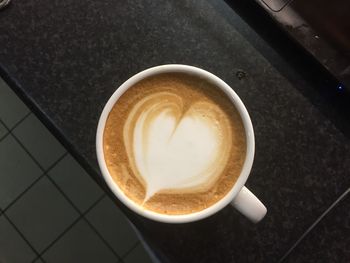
(173, 147)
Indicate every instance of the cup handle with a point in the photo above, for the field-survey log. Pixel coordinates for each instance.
(249, 205)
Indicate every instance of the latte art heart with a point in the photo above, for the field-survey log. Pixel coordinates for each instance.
(174, 143)
(175, 147)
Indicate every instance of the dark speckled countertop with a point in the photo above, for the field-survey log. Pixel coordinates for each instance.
(65, 58)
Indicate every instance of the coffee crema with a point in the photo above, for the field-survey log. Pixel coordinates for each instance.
(174, 143)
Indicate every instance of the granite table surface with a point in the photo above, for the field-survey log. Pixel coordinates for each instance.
(65, 58)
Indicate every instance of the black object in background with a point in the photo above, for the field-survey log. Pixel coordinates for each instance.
(335, 95)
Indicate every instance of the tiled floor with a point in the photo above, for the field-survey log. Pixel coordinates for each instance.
(50, 208)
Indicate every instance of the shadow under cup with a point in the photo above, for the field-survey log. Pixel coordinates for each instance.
(239, 184)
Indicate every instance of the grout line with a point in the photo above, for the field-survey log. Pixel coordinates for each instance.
(102, 238)
(60, 235)
(4, 136)
(8, 131)
(2, 122)
(20, 121)
(29, 153)
(20, 233)
(37, 259)
(341, 197)
(131, 249)
(17, 123)
(69, 200)
(23, 192)
(32, 157)
(81, 215)
(34, 182)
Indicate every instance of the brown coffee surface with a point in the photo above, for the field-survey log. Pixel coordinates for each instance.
(192, 91)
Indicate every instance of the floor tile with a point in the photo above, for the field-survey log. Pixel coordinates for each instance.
(80, 244)
(75, 183)
(42, 214)
(18, 170)
(138, 254)
(329, 241)
(3, 131)
(12, 247)
(39, 141)
(12, 109)
(113, 226)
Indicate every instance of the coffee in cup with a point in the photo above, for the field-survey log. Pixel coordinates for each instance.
(174, 143)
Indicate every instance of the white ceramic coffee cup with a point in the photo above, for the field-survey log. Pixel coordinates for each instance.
(239, 196)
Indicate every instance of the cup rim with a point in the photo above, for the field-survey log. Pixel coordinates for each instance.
(177, 68)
